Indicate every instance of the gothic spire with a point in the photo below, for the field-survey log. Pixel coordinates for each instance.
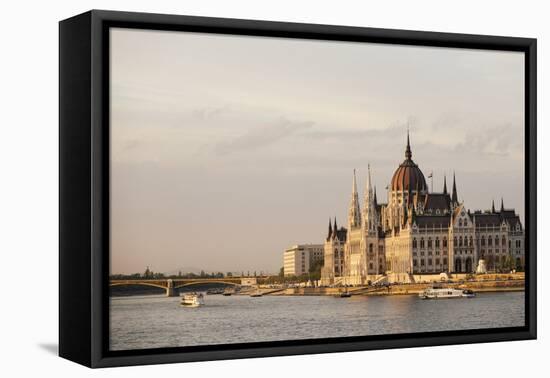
(501, 204)
(454, 197)
(368, 189)
(444, 184)
(375, 199)
(354, 215)
(335, 226)
(493, 207)
(329, 229)
(408, 153)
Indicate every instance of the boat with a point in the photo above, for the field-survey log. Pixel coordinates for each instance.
(442, 293)
(256, 293)
(192, 300)
(227, 293)
(214, 291)
(343, 294)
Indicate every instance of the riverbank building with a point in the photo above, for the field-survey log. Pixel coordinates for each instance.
(418, 232)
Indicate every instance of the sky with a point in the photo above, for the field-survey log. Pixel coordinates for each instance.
(225, 150)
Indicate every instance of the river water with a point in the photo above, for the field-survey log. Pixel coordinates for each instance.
(157, 321)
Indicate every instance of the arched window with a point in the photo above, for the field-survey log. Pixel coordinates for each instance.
(483, 240)
(503, 240)
(436, 242)
(421, 242)
(496, 240)
(414, 243)
(460, 223)
(455, 242)
(370, 248)
(429, 242)
(460, 241)
(444, 242)
(471, 241)
(490, 240)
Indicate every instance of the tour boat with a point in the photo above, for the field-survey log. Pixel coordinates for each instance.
(192, 300)
(436, 293)
(227, 293)
(256, 293)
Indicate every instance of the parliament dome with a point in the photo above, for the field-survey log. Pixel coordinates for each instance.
(408, 177)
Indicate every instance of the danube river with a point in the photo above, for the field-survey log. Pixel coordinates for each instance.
(155, 321)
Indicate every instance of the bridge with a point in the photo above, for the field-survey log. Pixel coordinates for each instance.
(172, 284)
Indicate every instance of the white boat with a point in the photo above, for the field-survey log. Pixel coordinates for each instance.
(256, 293)
(441, 293)
(192, 300)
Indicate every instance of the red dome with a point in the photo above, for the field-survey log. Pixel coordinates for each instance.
(408, 176)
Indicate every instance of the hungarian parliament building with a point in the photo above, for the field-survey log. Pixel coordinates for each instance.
(418, 232)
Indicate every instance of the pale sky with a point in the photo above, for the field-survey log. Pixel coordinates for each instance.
(225, 150)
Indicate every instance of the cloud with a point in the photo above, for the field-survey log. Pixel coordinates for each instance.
(263, 136)
(207, 113)
(397, 129)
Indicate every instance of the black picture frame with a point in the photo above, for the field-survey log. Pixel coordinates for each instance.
(84, 187)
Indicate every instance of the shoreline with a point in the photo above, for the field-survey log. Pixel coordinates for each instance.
(402, 289)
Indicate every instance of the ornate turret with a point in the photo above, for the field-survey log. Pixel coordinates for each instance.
(444, 184)
(493, 207)
(369, 207)
(354, 214)
(329, 229)
(501, 204)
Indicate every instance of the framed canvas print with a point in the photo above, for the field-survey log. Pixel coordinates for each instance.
(234, 188)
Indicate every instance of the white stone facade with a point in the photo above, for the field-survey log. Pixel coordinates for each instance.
(298, 259)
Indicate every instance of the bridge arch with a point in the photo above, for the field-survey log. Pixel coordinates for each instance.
(176, 286)
(140, 283)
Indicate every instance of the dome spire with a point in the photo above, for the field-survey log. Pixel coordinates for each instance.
(408, 152)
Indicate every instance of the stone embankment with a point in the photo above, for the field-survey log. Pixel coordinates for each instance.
(481, 283)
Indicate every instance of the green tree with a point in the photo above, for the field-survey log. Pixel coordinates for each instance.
(315, 270)
(282, 272)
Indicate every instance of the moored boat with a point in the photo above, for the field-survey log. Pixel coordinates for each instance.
(444, 293)
(343, 294)
(192, 300)
(256, 294)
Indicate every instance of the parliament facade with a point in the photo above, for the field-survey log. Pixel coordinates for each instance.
(418, 232)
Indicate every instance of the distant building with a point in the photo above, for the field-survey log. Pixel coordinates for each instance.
(298, 259)
(418, 232)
